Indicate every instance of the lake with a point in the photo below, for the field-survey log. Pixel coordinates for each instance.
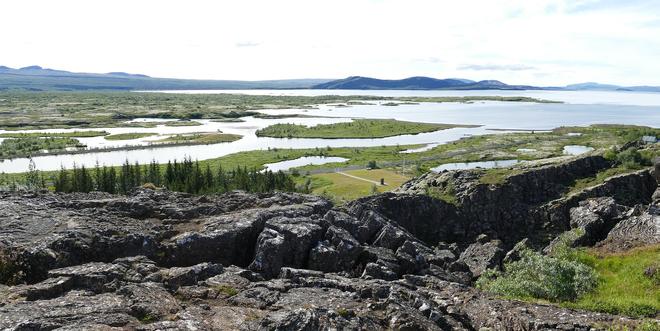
(580, 109)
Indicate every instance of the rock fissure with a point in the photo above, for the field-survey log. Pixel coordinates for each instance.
(155, 260)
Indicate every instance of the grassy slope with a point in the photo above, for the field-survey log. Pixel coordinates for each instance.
(342, 188)
(360, 128)
(623, 288)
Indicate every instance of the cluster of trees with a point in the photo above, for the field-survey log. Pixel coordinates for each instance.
(186, 176)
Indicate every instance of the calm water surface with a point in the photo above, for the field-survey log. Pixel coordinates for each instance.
(303, 161)
(475, 165)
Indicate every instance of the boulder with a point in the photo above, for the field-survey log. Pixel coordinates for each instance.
(481, 256)
(594, 218)
(338, 252)
(176, 277)
(635, 231)
(285, 242)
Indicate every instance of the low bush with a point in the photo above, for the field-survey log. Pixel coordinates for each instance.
(540, 277)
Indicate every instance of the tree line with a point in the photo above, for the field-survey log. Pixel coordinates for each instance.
(185, 176)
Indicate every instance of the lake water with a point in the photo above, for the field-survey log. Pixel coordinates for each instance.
(576, 149)
(581, 109)
(573, 97)
(475, 165)
(302, 161)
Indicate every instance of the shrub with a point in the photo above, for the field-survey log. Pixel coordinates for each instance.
(610, 154)
(343, 312)
(630, 158)
(374, 189)
(540, 277)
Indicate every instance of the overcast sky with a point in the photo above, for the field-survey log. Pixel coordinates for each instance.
(541, 42)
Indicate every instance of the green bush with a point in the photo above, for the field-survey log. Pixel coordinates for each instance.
(540, 277)
(610, 154)
(631, 158)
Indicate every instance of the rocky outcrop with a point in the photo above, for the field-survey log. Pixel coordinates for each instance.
(297, 300)
(155, 260)
(530, 203)
(483, 254)
(594, 218)
(634, 231)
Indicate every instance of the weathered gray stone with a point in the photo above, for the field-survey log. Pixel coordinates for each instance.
(481, 256)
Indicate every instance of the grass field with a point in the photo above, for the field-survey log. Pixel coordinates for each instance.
(623, 287)
(360, 128)
(341, 188)
(130, 136)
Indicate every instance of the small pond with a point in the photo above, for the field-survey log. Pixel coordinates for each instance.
(576, 149)
(475, 165)
(302, 161)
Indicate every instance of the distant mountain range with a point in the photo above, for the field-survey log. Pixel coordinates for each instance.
(418, 83)
(36, 78)
(427, 83)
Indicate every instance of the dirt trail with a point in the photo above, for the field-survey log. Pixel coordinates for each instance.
(360, 178)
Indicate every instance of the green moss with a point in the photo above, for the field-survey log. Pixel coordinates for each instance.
(496, 176)
(446, 193)
(227, 290)
(147, 318)
(600, 177)
(343, 312)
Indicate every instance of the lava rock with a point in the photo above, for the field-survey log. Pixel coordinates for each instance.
(481, 256)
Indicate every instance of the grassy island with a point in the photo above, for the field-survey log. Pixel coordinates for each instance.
(24, 147)
(361, 128)
(130, 136)
(200, 138)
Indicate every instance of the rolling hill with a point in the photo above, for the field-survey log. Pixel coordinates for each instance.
(417, 83)
(35, 78)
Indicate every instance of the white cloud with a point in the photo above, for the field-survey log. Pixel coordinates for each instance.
(556, 41)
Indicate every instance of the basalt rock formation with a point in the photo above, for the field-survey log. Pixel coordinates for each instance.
(159, 260)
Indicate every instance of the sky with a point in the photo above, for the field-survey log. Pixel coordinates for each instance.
(536, 42)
